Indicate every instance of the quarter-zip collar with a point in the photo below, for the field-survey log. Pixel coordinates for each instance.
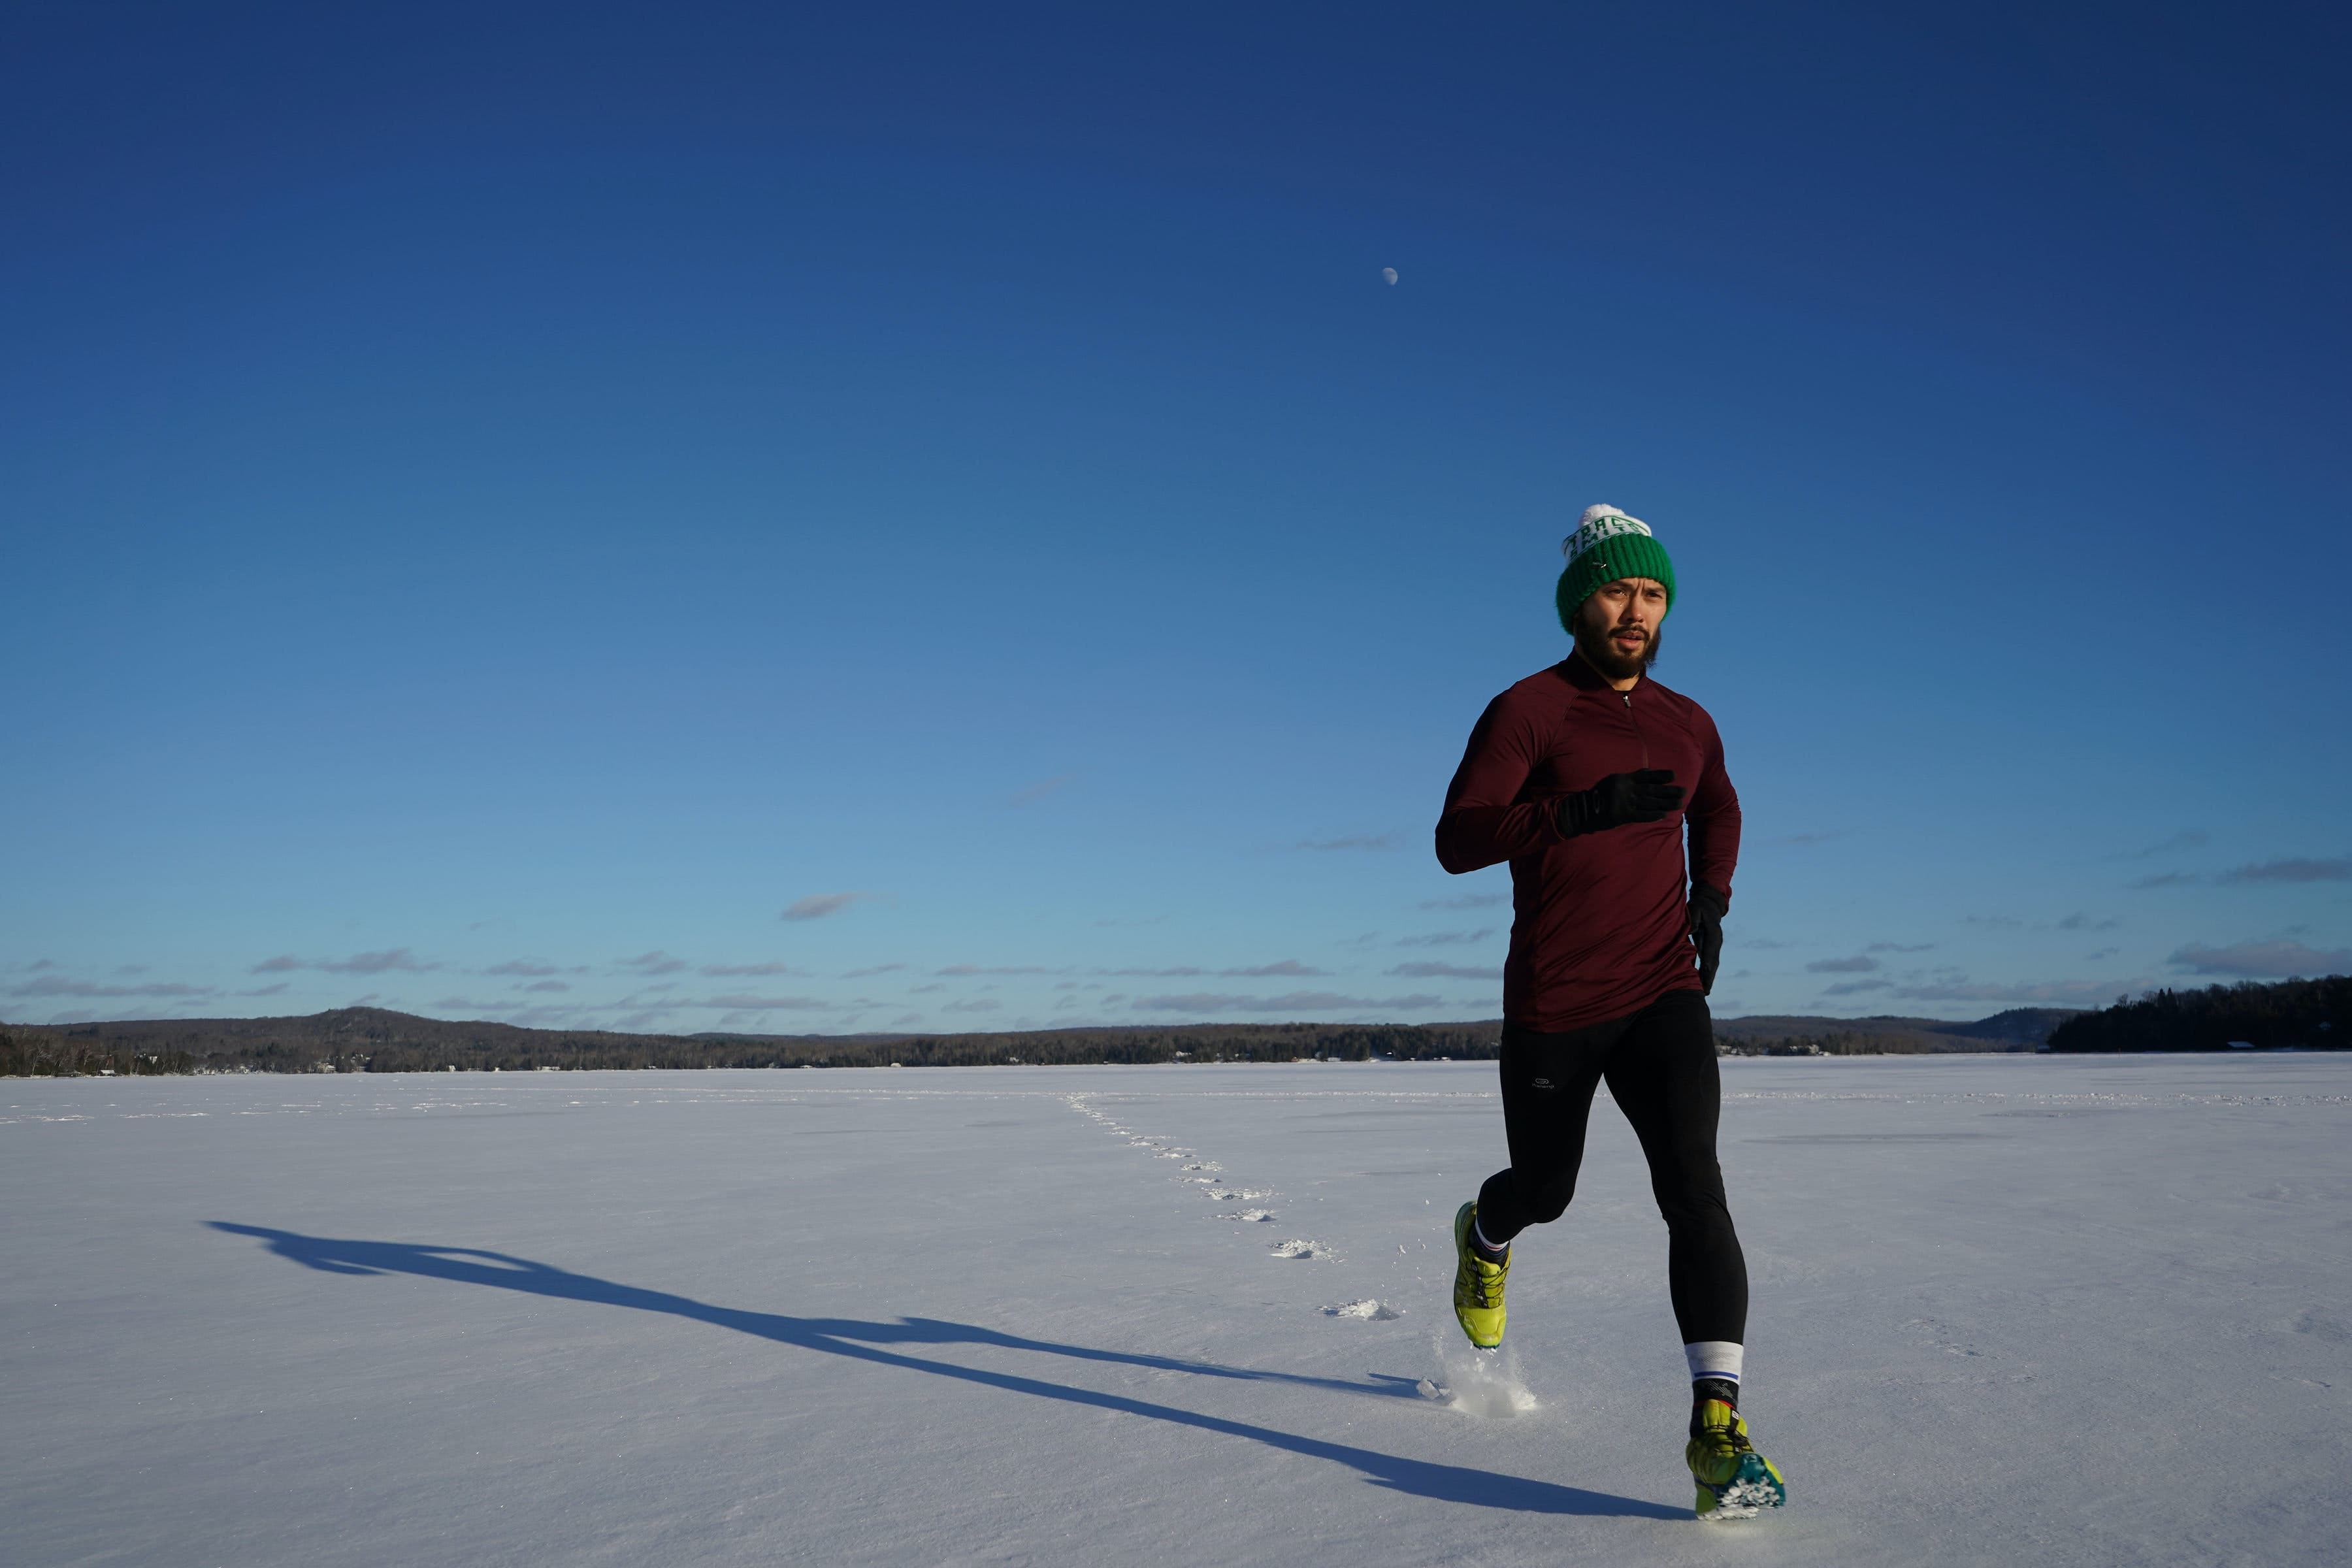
(1585, 679)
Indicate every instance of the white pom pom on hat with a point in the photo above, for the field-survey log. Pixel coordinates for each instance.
(1601, 521)
(1608, 544)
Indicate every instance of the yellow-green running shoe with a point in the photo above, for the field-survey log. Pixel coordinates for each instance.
(1735, 1481)
(1478, 1284)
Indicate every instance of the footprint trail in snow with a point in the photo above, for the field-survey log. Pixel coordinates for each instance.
(1470, 1382)
(1207, 1177)
(1367, 1308)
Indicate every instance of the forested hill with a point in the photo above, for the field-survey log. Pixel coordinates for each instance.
(2315, 1015)
(371, 1039)
(2019, 1029)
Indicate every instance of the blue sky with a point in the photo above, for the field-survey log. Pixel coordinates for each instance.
(933, 517)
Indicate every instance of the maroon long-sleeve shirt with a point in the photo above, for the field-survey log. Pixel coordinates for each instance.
(1599, 923)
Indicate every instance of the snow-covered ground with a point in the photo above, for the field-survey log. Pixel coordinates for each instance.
(2006, 1310)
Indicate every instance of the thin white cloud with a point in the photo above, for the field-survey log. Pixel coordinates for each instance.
(397, 959)
(2040, 992)
(1445, 938)
(2187, 838)
(817, 906)
(2297, 870)
(58, 986)
(1290, 1002)
(2262, 960)
(1443, 972)
(1288, 967)
(2294, 870)
(389, 960)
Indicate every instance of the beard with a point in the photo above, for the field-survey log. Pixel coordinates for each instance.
(1602, 656)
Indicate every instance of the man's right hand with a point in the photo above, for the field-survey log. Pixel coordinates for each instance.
(1646, 795)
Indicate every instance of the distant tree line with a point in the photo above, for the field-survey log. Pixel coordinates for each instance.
(1807, 1046)
(2307, 1012)
(1197, 1043)
(374, 1040)
(2313, 1015)
(371, 1039)
(44, 1053)
(1864, 1042)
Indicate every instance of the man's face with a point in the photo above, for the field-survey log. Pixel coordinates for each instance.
(1617, 628)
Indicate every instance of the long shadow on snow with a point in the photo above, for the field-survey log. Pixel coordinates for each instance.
(863, 1341)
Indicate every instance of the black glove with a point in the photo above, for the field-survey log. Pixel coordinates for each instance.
(1621, 798)
(1707, 908)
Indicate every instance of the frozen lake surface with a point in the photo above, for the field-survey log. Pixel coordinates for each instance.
(2006, 1310)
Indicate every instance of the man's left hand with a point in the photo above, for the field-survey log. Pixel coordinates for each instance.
(1707, 908)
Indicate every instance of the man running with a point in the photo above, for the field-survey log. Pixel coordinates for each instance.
(1584, 776)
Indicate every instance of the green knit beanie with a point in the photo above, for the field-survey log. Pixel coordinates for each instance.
(1607, 545)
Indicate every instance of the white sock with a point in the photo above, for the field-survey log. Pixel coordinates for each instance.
(1714, 1358)
(1481, 1235)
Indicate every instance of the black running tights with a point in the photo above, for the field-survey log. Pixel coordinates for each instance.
(1660, 1065)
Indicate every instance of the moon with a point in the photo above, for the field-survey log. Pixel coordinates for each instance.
(1388, 275)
